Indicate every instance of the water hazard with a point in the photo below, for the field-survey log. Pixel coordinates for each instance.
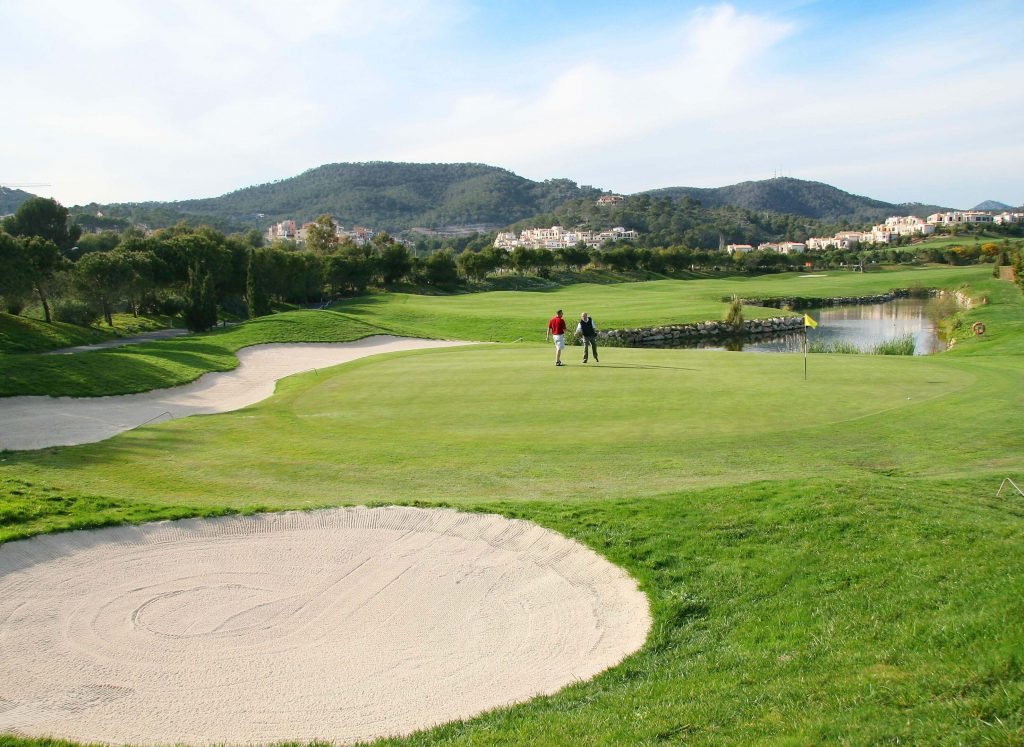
(865, 326)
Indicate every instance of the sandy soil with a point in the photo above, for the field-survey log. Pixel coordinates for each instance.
(334, 625)
(38, 422)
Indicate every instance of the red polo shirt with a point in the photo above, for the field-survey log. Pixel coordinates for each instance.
(557, 325)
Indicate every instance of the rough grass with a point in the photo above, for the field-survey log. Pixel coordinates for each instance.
(23, 334)
(20, 334)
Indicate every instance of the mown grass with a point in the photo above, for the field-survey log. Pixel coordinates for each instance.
(494, 316)
(154, 365)
(826, 560)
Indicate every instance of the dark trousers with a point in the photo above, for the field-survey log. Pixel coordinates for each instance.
(589, 343)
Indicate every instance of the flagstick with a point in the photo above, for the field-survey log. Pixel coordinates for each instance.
(805, 351)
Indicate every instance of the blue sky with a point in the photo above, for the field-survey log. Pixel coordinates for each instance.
(119, 101)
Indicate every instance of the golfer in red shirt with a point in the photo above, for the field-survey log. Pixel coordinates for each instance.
(556, 330)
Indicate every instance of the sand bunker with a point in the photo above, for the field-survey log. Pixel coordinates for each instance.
(38, 422)
(333, 625)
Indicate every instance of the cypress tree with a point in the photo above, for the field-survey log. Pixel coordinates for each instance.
(255, 291)
(200, 301)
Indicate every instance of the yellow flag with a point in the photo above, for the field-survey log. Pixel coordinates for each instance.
(808, 322)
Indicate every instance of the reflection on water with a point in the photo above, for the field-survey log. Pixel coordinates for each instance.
(864, 326)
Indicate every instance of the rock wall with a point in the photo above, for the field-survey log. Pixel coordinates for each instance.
(669, 335)
(813, 302)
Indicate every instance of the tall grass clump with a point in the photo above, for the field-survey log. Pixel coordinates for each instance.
(902, 345)
(734, 314)
(918, 290)
(837, 346)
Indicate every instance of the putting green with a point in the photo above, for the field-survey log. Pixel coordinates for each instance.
(501, 422)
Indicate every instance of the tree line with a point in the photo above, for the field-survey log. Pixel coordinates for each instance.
(195, 272)
(191, 271)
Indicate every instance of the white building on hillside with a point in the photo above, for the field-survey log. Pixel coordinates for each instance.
(739, 248)
(284, 230)
(1006, 219)
(960, 217)
(556, 237)
(908, 225)
(782, 247)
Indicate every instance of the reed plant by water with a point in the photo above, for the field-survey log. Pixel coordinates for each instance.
(902, 345)
(836, 346)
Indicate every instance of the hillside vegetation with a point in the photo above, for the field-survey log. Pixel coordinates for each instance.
(10, 199)
(398, 196)
(797, 197)
(382, 195)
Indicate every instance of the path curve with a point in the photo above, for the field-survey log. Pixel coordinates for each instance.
(336, 625)
(35, 422)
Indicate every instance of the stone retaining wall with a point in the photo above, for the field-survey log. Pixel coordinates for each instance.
(813, 302)
(666, 336)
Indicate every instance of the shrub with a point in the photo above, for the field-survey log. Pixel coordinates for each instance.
(14, 305)
(171, 305)
(917, 290)
(940, 307)
(74, 311)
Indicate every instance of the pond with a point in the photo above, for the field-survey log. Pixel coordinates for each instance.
(864, 325)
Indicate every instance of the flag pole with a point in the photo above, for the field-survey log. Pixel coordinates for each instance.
(808, 322)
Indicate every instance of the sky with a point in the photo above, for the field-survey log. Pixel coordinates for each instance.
(126, 100)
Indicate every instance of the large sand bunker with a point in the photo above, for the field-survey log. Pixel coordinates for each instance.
(334, 625)
(38, 422)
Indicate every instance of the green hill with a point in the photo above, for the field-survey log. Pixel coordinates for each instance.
(383, 195)
(11, 198)
(797, 197)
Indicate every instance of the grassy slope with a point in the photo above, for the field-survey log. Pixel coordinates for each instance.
(24, 334)
(19, 334)
(139, 368)
(499, 316)
(826, 560)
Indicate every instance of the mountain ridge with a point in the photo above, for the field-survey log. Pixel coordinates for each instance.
(381, 194)
(397, 196)
(787, 195)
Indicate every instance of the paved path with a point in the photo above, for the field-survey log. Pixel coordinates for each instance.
(37, 422)
(160, 334)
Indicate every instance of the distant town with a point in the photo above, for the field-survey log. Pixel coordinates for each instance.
(885, 233)
(559, 237)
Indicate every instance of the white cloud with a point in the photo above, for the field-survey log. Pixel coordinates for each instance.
(119, 100)
(683, 77)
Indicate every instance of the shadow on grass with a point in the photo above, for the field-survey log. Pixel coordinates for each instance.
(632, 365)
